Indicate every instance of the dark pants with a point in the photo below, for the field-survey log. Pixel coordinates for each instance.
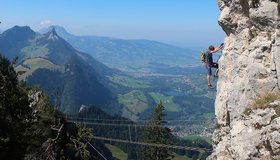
(209, 67)
(214, 65)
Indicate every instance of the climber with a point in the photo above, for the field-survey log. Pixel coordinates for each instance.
(209, 64)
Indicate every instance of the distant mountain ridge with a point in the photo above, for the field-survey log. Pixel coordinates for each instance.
(15, 38)
(129, 55)
(70, 77)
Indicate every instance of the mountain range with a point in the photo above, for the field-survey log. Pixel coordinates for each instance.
(142, 56)
(73, 78)
(70, 77)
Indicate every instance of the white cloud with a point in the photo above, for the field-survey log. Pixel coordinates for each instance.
(45, 23)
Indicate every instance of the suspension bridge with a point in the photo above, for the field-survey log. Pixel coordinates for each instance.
(89, 123)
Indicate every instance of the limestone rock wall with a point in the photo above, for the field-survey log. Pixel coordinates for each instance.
(250, 65)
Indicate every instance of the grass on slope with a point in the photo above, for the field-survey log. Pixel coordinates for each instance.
(209, 116)
(31, 65)
(195, 137)
(117, 152)
(263, 101)
(34, 50)
(180, 157)
(129, 82)
(167, 101)
(135, 102)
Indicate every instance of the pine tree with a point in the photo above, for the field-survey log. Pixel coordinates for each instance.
(27, 123)
(157, 133)
(14, 112)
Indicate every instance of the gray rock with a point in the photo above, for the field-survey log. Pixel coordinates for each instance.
(275, 103)
(250, 65)
(256, 136)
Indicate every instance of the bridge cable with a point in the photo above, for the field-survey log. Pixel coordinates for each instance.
(97, 151)
(153, 144)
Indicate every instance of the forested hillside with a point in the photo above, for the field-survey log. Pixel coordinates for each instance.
(29, 124)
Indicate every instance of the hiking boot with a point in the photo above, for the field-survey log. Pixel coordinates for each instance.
(210, 86)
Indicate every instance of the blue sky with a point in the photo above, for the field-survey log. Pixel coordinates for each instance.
(187, 23)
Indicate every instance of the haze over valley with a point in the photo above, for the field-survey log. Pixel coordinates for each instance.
(130, 88)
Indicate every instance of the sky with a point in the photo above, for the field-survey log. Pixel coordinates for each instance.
(186, 23)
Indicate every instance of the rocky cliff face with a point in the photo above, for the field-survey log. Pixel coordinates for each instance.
(250, 65)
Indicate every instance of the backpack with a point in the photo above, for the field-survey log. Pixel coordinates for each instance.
(202, 55)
